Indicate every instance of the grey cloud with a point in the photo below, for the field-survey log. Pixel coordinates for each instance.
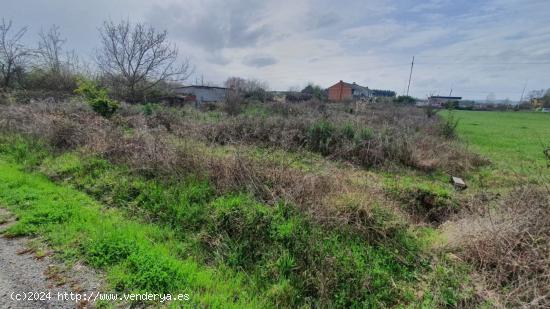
(516, 36)
(350, 35)
(323, 21)
(216, 26)
(259, 61)
(217, 58)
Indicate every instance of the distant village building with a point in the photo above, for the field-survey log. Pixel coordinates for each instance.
(343, 91)
(203, 94)
(440, 101)
(340, 92)
(421, 102)
(467, 104)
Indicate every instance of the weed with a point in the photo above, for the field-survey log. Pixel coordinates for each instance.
(366, 134)
(448, 127)
(320, 137)
(348, 131)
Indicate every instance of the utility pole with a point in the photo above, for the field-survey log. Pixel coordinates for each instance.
(522, 93)
(410, 76)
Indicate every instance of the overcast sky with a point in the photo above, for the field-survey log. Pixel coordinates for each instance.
(474, 47)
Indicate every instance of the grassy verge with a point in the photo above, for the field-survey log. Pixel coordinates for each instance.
(137, 257)
(161, 236)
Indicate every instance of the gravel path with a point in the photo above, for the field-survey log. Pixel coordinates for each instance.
(22, 272)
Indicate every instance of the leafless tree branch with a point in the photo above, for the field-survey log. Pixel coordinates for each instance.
(13, 54)
(139, 56)
(50, 48)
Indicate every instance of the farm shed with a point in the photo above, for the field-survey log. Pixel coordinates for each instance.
(439, 101)
(203, 94)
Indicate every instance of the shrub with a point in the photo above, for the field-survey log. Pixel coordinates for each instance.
(258, 94)
(4, 97)
(315, 91)
(149, 108)
(320, 136)
(404, 99)
(97, 98)
(448, 126)
(64, 79)
(104, 106)
(348, 131)
(451, 104)
(298, 97)
(366, 134)
(430, 111)
(232, 103)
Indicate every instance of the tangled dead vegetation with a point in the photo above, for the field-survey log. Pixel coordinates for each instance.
(149, 140)
(380, 136)
(148, 147)
(509, 245)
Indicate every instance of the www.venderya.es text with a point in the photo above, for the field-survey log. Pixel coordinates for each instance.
(97, 296)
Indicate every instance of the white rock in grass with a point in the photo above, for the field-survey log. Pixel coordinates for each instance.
(458, 183)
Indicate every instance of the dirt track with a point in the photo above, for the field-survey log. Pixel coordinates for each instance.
(22, 272)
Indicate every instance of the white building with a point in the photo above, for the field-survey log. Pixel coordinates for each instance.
(203, 94)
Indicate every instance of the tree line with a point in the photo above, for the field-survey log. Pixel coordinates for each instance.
(134, 61)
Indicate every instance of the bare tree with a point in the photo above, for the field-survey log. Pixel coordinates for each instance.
(138, 57)
(50, 48)
(535, 94)
(13, 53)
(237, 84)
(59, 68)
(248, 88)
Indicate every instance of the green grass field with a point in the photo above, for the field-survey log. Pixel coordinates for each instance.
(512, 140)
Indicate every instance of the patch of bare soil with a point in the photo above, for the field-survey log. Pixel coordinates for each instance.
(35, 278)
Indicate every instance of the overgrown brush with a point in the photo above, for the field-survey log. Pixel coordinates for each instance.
(510, 246)
(151, 151)
(266, 219)
(392, 136)
(233, 102)
(289, 258)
